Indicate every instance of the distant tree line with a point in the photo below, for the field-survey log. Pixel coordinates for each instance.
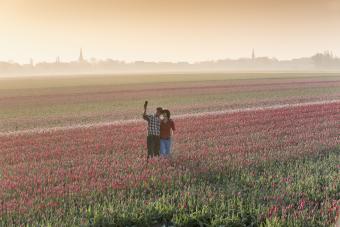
(326, 61)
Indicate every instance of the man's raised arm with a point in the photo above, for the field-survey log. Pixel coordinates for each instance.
(145, 116)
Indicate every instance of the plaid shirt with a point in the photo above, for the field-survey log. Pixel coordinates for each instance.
(154, 125)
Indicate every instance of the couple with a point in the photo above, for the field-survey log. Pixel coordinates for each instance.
(160, 130)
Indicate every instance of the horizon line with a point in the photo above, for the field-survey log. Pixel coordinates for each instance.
(82, 58)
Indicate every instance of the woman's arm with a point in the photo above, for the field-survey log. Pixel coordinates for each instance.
(173, 125)
(172, 128)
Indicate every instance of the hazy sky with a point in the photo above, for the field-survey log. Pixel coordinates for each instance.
(167, 30)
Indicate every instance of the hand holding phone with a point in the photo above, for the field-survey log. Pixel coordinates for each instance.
(145, 105)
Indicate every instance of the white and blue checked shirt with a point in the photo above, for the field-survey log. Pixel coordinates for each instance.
(154, 125)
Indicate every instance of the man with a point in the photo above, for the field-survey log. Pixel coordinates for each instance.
(153, 139)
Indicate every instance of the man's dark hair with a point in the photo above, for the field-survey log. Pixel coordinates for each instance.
(159, 109)
(167, 112)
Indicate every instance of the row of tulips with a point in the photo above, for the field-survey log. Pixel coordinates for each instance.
(49, 176)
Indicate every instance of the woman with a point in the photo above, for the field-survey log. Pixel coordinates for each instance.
(167, 128)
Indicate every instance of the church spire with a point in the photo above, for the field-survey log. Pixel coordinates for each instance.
(253, 55)
(81, 57)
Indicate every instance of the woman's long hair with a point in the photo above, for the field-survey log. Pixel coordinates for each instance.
(167, 113)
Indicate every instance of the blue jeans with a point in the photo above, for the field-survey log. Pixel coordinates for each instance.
(165, 147)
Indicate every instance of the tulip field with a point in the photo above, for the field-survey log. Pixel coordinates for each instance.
(272, 160)
(53, 102)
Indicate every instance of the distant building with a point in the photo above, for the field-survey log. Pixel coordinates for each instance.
(253, 55)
